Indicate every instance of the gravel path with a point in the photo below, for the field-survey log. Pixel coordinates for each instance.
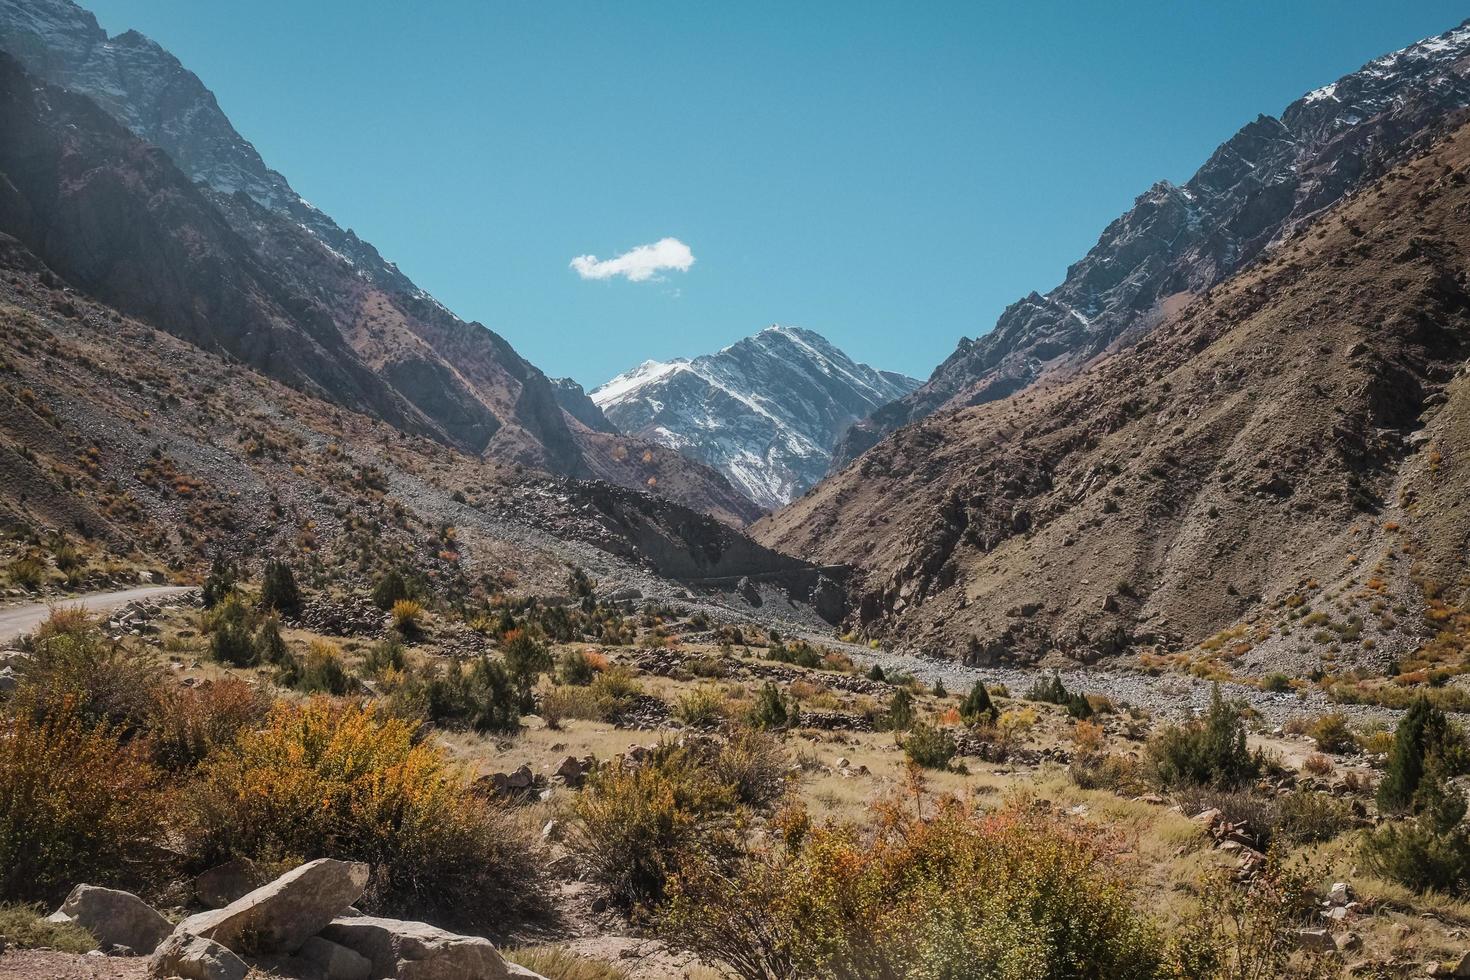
(17, 621)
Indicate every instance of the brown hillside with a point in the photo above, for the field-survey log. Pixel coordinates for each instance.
(1304, 424)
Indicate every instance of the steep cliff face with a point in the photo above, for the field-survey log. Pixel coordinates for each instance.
(205, 240)
(1300, 429)
(764, 411)
(1266, 181)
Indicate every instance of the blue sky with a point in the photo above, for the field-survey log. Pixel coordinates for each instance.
(891, 175)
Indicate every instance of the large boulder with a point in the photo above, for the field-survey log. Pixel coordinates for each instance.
(114, 918)
(281, 916)
(402, 950)
(189, 957)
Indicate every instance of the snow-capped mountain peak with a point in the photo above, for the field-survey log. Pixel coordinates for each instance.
(765, 410)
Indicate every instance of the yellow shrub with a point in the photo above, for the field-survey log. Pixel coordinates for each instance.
(332, 780)
(1019, 893)
(406, 615)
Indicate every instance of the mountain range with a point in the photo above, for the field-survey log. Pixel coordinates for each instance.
(1271, 178)
(765, 411)
(128, 181)
(1161, 450)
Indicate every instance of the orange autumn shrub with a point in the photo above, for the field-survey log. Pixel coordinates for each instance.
(327, 779)
(187, 724)
(76, 804)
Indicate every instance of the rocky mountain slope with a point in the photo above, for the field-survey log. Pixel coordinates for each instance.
(1298, 433)
(764, 411)
(1266, 181)
(203, 240)
(141, 449)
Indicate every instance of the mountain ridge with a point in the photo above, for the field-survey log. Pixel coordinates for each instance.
(282, 277)
(1272, 176)
(764, 410)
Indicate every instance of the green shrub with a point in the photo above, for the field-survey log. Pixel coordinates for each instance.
(105, 682)
(1008, 895)
(270, 645)
(321, 670)
(1429, 851)
(389, 589)
(1422, 741)
(1276, 683)
(1208, 752)
(1053, 691)
(875, 673)
(278, 589)
(220, 582)
(772, 710)
(900, 714)
(28, 573)
(525, 661)
(1308, 817)
(1331, 733)
(977, 708)
(929, 746)
(230, 640)
(575, 668)
(26, 927)
(636, 827)
(386, 655)
(702, 707)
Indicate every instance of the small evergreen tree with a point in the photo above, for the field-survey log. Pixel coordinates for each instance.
(525, 661)
(939, 691)
(876, 673)
(391, 588)
(977, 706)
(270, 646)
(220, 582)
(901, 710)
(771, 709)
(278, 590)
(1423, 732)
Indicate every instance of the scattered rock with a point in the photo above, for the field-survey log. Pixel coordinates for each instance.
(1316, 939)
(416, 950)
(189, 957)
(114, 918)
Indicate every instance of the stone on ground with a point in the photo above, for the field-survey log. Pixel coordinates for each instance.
(417, 951)
(114, 918)
(187, 957)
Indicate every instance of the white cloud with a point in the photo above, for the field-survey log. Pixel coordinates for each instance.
(638, 264)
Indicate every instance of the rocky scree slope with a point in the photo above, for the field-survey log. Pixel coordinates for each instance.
(203, 240)
(1306, 422)
(1257, 188)
(764, 411)
(138, 445)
